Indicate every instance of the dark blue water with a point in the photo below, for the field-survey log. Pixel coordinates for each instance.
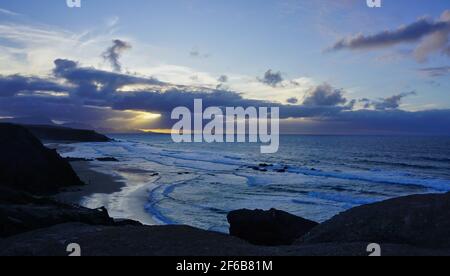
(312, 176)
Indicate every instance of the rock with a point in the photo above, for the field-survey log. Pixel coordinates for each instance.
(126, 222)
(21, 212)
(25, 164)
(127, 241)
(269, 228)
(16, 219)
(64, 134)
(76, 159)
(173, 241)
(418, 220)
(107, 159)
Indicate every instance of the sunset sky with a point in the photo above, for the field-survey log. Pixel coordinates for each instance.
(333, 67)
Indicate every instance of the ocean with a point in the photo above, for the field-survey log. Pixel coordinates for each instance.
(315, 177)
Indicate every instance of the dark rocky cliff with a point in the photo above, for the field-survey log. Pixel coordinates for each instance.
(54, 133)
(26, 165)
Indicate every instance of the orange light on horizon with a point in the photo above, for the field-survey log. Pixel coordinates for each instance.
(158, 131)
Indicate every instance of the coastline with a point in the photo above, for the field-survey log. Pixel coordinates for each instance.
(100, 191)
(33, 224)
(96, 183)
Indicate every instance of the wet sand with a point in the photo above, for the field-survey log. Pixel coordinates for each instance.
(105, 190)
(96, 183)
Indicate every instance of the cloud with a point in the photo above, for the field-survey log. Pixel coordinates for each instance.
(31, 48)
(222, 82)
(197, 54)
(105, 101)
(432, 36)
(271, 78)
(325, 95)
(96, 84)
(389, 103)
(8, 12)
(13, 85)
(113, 53)
(292, 100)
(436, 71)
(389, 122)
(90, 87)
(223, 79)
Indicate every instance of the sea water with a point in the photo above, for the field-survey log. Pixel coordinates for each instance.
(315, 177)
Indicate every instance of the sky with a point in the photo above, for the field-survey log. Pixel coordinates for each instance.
(333, 67)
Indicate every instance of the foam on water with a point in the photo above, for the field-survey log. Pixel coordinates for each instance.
(198, 186)
(396, 178)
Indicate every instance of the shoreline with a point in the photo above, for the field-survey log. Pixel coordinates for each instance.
(100, 191)
(96, 183)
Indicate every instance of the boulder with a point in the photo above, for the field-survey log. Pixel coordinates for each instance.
(25, 164)
(418, 220)
(270, 228)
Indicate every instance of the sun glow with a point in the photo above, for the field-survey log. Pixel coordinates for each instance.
(159, 131)
(145, 116)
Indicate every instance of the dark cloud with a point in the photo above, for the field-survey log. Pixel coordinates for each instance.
(223, 79)
(436, 71)
(433, 36)
(113, 53)
(325, 95)
(222, 82)
(96, 84)
(100, 89)
(292, 100)
(271, 78)
(195, 53)
(96, 98)
(389, 103)
(390, 122)
(12, 85)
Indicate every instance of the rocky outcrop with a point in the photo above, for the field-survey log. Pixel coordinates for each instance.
(270, 228)
(419, 220)
(173, 241)
(21, 212)
(53, 133)
(25, 164)
(107, 159)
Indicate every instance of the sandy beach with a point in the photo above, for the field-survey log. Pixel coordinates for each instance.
(107, 190)
(96, 183)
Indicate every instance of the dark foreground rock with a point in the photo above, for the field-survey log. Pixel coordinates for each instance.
(419, 220)
(107, 159)
(21, 212)
(173, 241)
(25, 164)
(54, 133)
(269, 228)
